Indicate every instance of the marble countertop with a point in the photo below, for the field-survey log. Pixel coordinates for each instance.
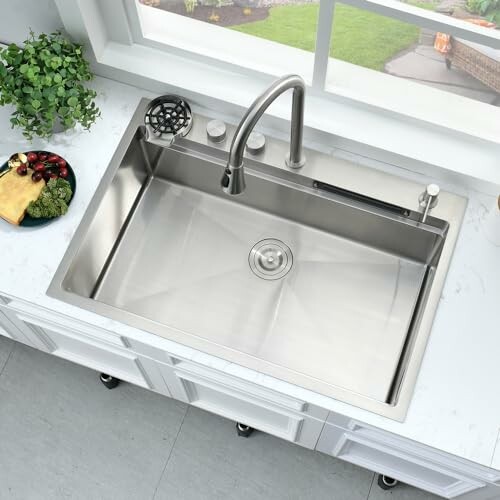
(456, 403)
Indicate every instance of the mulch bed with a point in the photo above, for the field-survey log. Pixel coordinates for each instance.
(228, 15)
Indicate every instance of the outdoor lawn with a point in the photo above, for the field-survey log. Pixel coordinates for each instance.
(360, 37)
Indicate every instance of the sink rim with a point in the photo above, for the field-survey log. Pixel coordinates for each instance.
(451, 208)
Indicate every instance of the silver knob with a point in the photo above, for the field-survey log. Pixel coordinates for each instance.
(429, 199)
(433, 190)
(256, 143)
(216, 130)
(430, 194)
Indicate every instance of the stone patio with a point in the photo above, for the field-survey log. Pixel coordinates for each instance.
(425, 65)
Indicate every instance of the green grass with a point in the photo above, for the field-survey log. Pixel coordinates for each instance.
(360, 37)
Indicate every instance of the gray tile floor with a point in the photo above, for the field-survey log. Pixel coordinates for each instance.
(63, 435)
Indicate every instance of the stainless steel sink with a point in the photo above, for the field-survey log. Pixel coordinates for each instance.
(325, 278)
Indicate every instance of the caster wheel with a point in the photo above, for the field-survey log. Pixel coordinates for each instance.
(448, 63)
(109, 381)
(243, 430)
(386, 482)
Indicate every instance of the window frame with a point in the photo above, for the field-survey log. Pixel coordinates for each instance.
(121, 51)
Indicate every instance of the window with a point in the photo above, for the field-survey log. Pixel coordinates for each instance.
(418, 55)
(348, 105)
(266, 39)
(360, 36)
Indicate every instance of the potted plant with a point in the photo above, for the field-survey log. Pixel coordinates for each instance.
(44, 80)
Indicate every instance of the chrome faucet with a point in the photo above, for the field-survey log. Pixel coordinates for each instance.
(233, 180)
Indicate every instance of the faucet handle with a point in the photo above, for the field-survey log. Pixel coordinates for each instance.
(216, 131)
(256, 143)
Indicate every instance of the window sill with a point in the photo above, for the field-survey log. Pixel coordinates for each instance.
(367, 130)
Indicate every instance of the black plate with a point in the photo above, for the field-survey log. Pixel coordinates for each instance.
(29, 221)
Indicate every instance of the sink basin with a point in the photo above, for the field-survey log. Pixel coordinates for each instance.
(325, 278)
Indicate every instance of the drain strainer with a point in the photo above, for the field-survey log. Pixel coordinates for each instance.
(270, 259)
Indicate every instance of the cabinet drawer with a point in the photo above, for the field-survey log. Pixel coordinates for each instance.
(240, 384)
(366, 448)
(98, 356)
(49, 320)
(256, 407)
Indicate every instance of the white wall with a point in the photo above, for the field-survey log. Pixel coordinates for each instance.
(17, 16)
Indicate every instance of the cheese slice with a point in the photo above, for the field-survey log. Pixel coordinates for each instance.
(16, 192)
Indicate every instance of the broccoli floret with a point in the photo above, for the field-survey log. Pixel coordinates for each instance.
(60, 188)
(53, 200)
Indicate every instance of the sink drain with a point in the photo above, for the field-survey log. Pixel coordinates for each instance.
(270, 259)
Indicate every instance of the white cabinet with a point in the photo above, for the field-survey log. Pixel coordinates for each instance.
(93, 353)
(297, 421)
(12, 327)
(238, 400)
(408, 462)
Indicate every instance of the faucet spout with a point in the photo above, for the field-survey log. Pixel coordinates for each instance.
(233, 180)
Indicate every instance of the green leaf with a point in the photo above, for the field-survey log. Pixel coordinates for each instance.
(42, 79)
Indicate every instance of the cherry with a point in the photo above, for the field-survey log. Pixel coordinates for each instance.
(48, 174)
(39, 167)
(63, 172)
(42, 156)
(22, 170)
(37, 176)
(53, 159)
(32, 157)
(61, 163)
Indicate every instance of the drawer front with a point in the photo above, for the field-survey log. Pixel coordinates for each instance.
(211, 391)
(98, 356)
(430, 455)
(366, 449)
(49, 320)
(292, 403)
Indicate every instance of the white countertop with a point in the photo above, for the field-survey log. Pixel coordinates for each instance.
(456, 403)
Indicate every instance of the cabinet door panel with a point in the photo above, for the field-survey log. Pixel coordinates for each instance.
(212, 392)
(101, 357)
(366, 450)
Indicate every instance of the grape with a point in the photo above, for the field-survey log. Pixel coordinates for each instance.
(32, 157)
(61, 163)
(22, 170)
(42, 156)
(53, 159)
(37, 176)
(63, 172)
(39, 167)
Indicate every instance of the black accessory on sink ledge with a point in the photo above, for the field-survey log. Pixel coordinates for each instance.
(168, 116)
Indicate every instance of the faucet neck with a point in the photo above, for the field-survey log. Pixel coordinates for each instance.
(256, 110)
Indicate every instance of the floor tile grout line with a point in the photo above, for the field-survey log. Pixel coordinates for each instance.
(170, 453)
(371, 486)
(7, 360)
